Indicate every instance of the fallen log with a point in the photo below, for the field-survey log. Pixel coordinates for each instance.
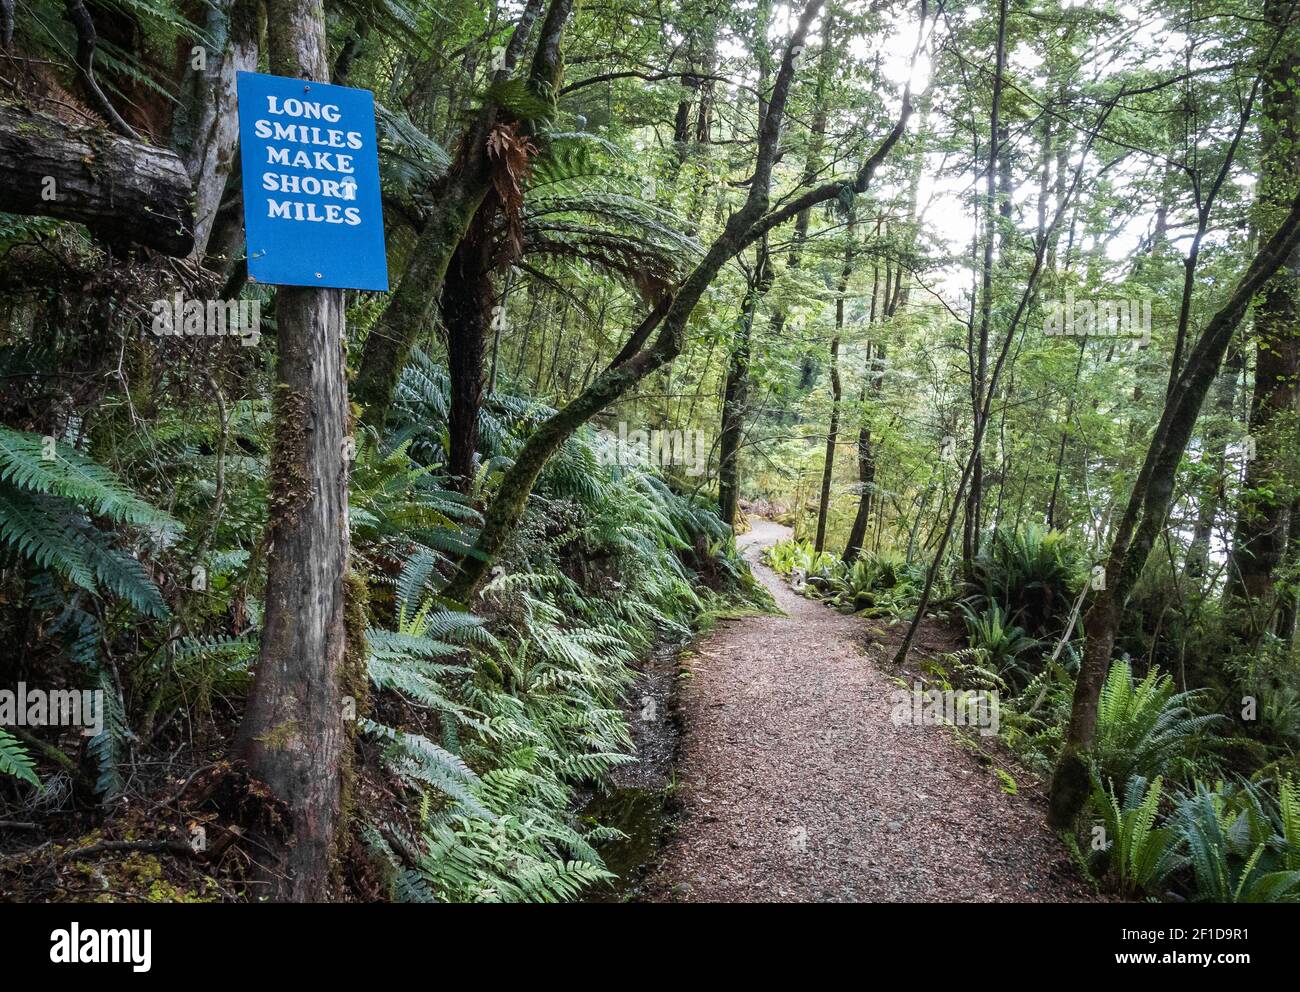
(123, 190)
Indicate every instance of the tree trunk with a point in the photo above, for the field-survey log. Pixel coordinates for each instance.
(1215, 458)
(124, 191)
(292, 733)
(866, 483)
(458, 198)
(466, 299)
(1145, 515)
(735, 394)
(979, 357)
(812, 167)
(1286, 607)
(833, 433)
(206, 128)
(1260, 536)
(832, 436)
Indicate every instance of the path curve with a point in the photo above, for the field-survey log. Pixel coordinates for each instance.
(796, 786)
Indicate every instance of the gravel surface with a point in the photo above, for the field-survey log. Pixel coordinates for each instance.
(796, 786)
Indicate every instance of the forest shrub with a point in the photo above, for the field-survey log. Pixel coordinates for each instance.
(1146, 728)
(1032, 574)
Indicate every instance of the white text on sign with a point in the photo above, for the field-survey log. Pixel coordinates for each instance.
(342, 189)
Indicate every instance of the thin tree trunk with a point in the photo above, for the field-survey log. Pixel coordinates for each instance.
(980, 359)
(866, 478)
(292, 734)
(1065, 434)
(1215, 457)
(833, 433)
(736, 391)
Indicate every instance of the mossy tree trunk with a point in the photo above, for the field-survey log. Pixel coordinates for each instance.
(292, 734)
(1144, 517)
(735, 393)
(458, 198)
(1261, 532)
(466, 308)
(124, 191)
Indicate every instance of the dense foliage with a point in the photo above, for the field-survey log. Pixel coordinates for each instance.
(658, 270)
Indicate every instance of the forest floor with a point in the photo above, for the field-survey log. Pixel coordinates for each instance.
(795, 785)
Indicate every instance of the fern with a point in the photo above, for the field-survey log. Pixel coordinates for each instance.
(531, 707)
(44, 505)
(1141, 855)
(1144, 728)
(15, 761)
(419, 762)
(1289, 823)
(108, 747)
(1235, 854)
(76, 478)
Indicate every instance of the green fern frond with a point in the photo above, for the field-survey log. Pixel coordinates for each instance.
(15, 761)
(76, 478)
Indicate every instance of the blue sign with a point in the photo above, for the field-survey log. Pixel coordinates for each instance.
(312, 213)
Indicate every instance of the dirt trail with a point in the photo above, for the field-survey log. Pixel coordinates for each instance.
(796, 785)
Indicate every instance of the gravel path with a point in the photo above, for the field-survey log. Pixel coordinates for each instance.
(796, 786)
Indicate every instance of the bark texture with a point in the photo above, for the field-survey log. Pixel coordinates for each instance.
(1261, 533)
(292, 735)
(735, 395)
(125, 191)
(207, 129)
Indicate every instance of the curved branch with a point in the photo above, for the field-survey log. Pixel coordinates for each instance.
(76, 14)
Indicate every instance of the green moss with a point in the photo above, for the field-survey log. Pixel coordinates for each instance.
(291, 487)
(1070, 788)
(137, 875)
(281, 735)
